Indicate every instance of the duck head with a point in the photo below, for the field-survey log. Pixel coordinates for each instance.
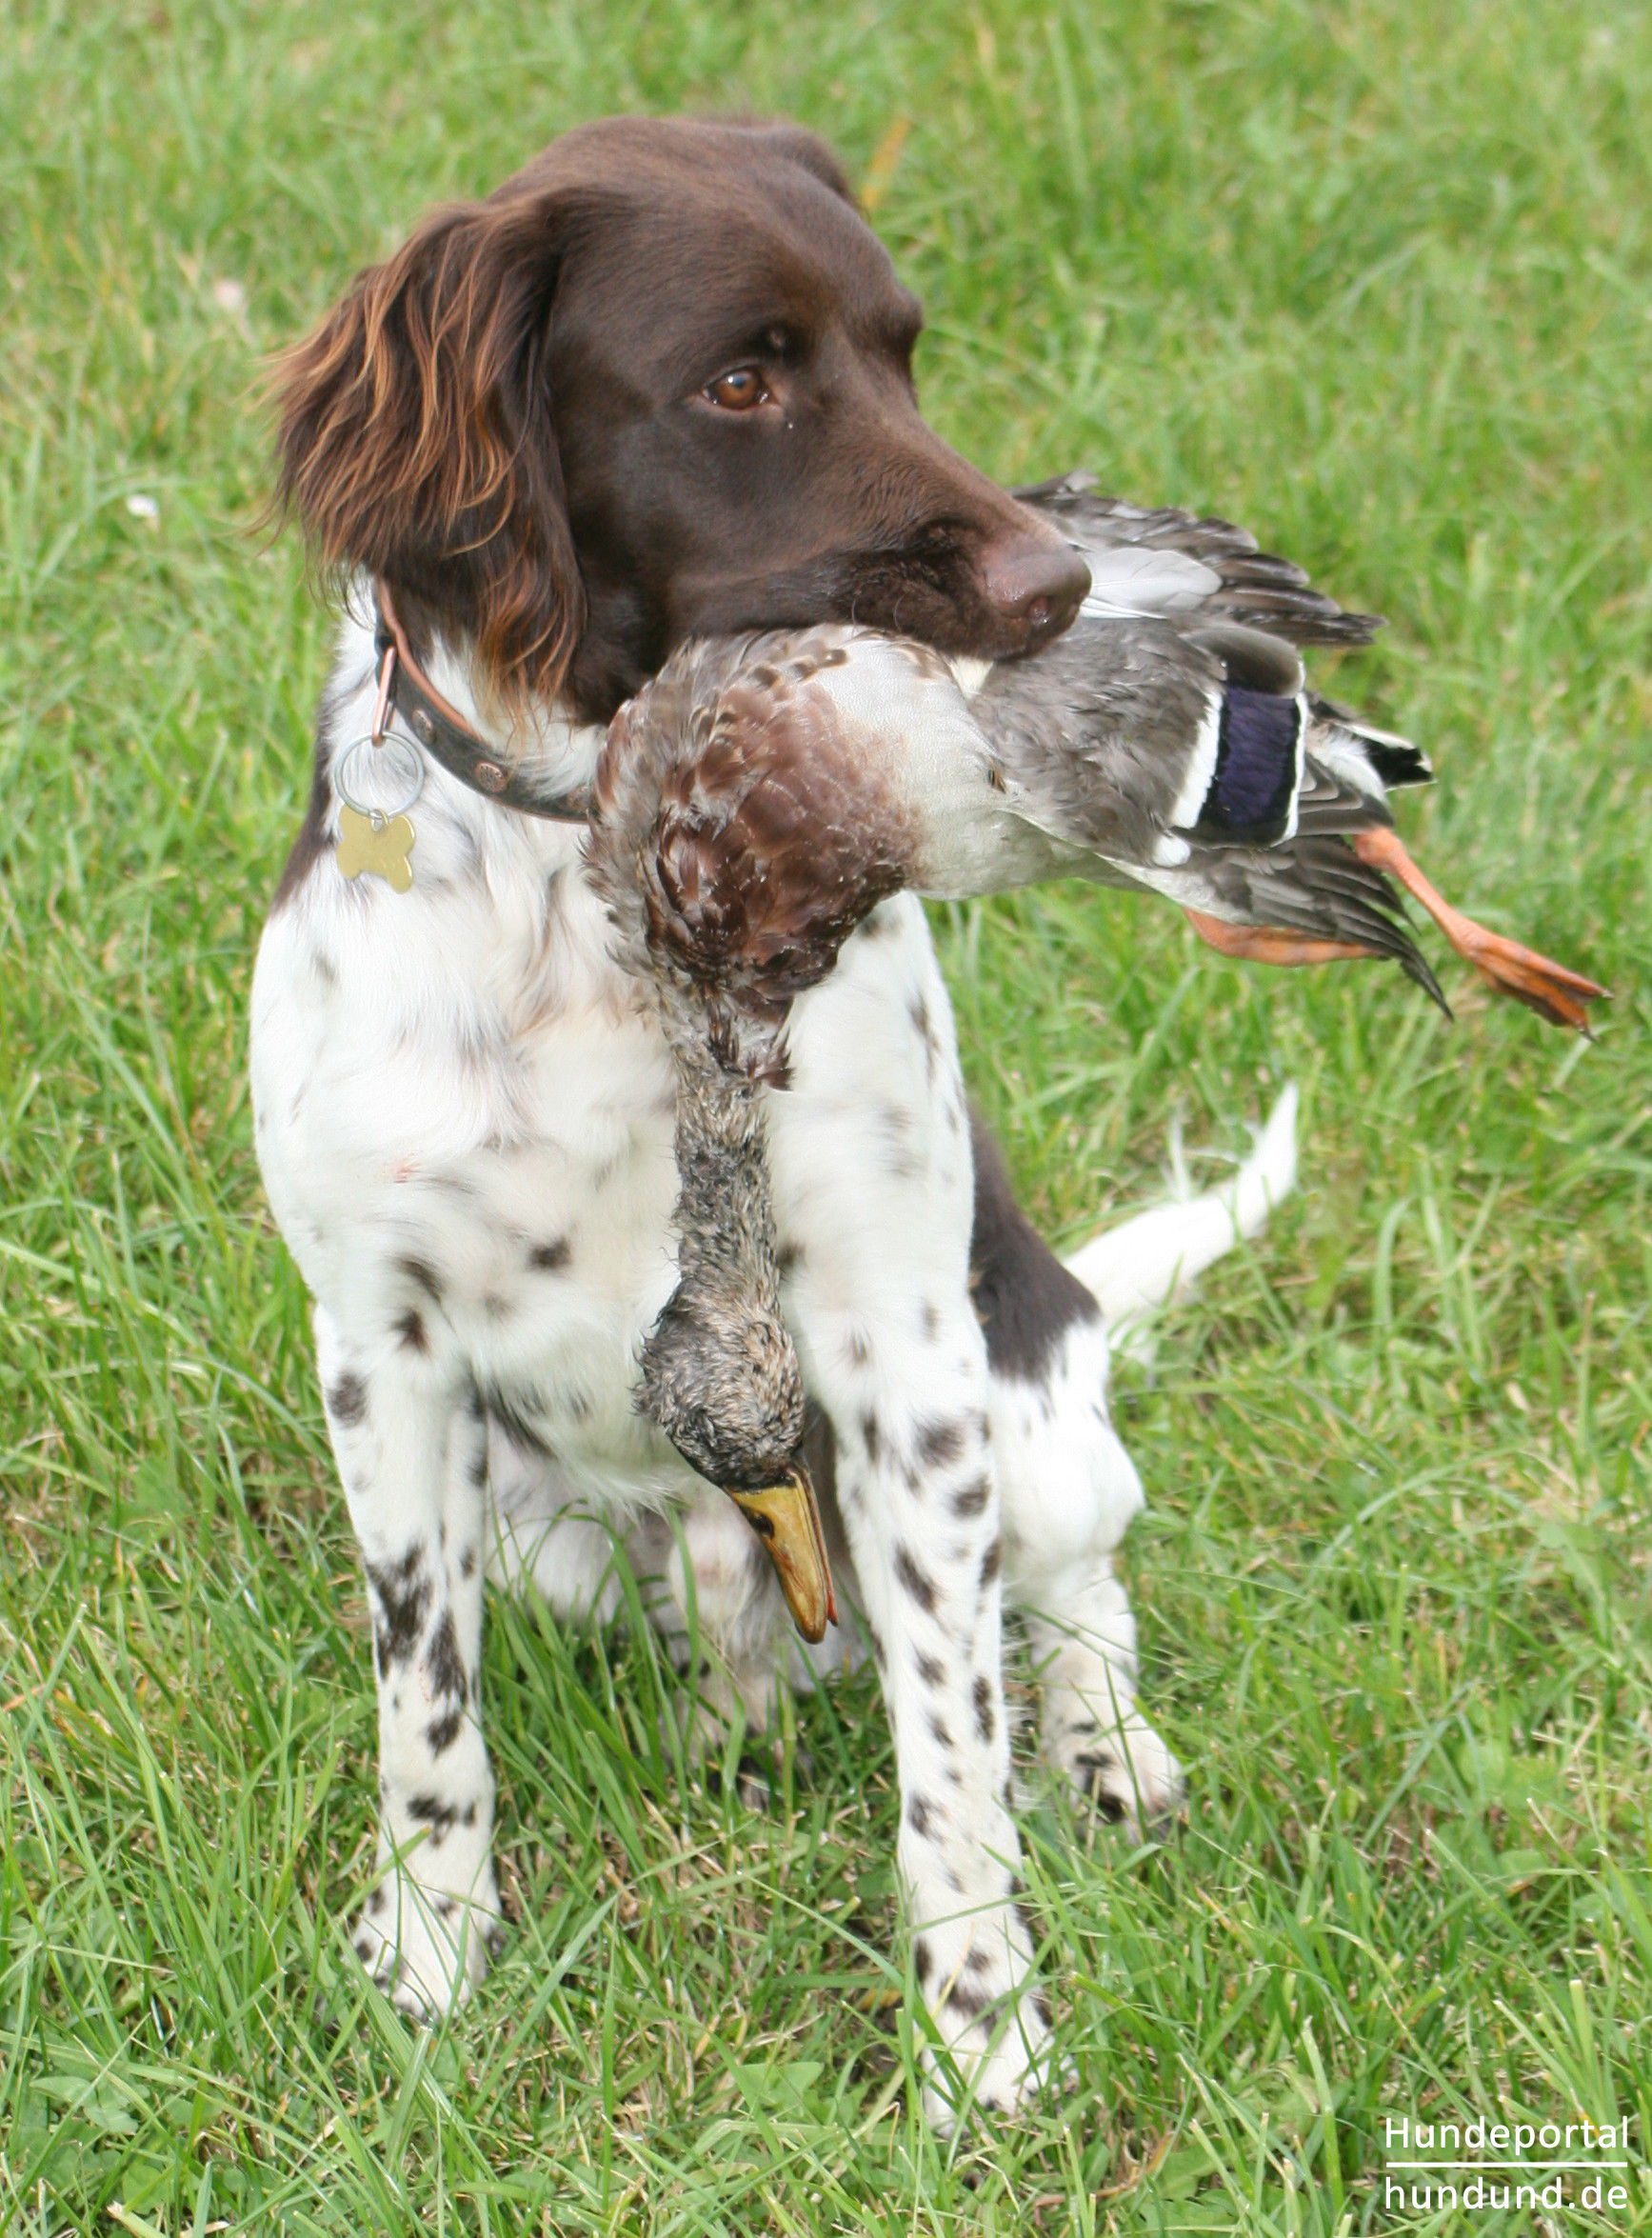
(721, 1378)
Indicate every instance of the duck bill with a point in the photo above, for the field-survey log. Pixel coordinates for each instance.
(787, 1520)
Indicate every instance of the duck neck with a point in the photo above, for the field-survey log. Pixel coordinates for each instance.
(719, 1376)
(725, 1211)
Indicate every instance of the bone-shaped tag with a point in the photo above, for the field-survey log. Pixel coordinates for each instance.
(379, 849)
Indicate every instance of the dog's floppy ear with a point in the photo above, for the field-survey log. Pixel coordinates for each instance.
(416, 441)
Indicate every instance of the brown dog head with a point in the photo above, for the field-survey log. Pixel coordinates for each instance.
(657, 386)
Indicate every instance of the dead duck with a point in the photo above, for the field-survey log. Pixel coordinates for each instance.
(762, 795)
(1255, 845)
(798, 777)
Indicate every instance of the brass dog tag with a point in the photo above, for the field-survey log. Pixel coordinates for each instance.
(381, 850)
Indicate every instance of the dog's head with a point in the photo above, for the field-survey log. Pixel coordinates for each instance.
(657, 386)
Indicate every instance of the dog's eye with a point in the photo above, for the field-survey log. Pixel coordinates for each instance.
(741, 391)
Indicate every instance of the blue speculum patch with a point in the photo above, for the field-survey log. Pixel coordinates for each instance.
(1256, 767)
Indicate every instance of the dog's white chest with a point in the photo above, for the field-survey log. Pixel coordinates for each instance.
(466, 1128)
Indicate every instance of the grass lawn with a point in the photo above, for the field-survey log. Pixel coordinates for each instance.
(1369, 277)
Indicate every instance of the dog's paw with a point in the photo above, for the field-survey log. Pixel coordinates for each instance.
(994, 2068)
(426, 1949)
(1121, 1769)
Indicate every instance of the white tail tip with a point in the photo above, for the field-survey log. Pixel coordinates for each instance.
(1146, 1262)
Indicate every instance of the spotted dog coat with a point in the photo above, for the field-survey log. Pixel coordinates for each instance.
(465, 1125)
(465, 1116)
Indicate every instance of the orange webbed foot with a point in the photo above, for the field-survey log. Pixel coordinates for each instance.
(1560, 996)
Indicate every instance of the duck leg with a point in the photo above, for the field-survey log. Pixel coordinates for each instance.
(1271, 944)
(1560, 996)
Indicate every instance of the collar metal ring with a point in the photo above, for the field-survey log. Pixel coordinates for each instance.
(393, 771)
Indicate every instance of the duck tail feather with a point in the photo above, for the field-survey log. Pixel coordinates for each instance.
(1394, 760)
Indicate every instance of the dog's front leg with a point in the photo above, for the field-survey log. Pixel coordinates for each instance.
(412, 1451)
(871, 1155)
(919, 1502)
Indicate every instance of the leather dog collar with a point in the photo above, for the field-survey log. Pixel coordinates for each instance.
(448, 738)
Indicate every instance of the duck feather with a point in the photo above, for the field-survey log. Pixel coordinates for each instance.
(1157, 559)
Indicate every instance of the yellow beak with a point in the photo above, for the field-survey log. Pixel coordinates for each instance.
(787, 1520)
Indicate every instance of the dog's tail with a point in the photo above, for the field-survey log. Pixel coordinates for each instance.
(1146, 1262)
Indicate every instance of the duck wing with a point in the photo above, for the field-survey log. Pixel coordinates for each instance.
(1159, 560)
(1190, 760)
(1140, 738)
(1316, 887)
(1107, 738)
(1375, 761)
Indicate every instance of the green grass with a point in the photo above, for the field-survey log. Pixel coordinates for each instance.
(1369, 277)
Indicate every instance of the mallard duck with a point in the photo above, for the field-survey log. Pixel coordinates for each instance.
(762, 794)
(806, 775)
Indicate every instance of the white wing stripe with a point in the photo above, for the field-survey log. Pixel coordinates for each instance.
(1201, 770)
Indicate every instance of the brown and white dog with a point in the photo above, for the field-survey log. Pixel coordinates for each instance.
(659, 386)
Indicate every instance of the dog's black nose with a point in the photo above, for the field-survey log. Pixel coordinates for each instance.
(1036, 586)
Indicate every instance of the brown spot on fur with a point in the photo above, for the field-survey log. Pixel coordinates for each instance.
(973, 1498)
(444, 1664)
(443, 1731)
(915, 1580)
(348, 1400)
(939, 1444)
(402, 1594)
(312, 842)
(1025, 1298)
(432, 1811)
(423, 1276)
